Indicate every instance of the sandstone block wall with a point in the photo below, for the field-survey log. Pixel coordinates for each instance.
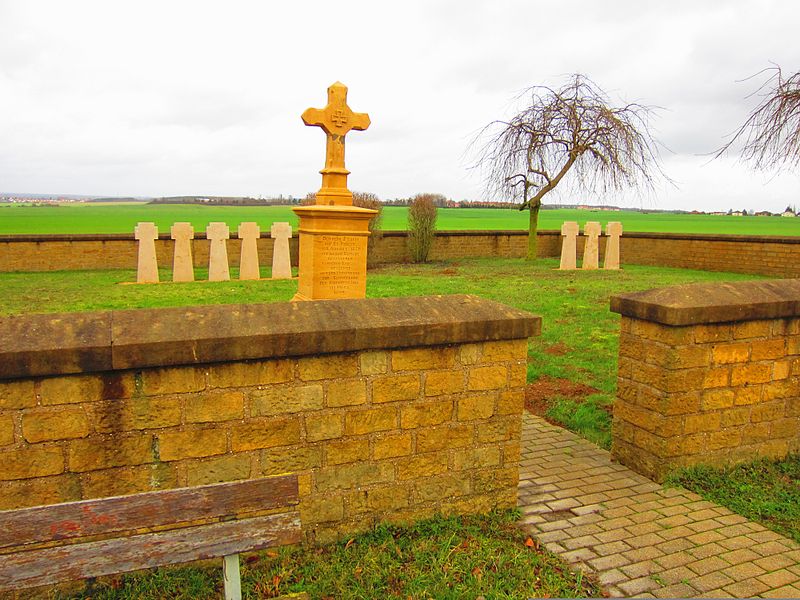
(394, 432)
(708, 374)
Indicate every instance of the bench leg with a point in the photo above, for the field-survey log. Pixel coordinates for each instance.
(230, 571)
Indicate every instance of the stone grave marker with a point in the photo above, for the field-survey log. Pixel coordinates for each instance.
(182, 265)
(569, 245)
(333, 233)
(614, 232)
(281, 263)
(248, 260)
(591, 249)
(147, 265)
(218, 234)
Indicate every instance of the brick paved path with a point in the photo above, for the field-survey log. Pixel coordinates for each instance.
(639, 538)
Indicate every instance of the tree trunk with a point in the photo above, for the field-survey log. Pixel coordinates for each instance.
(532, 229)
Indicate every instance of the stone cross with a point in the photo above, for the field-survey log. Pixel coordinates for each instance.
(182, 265)
(147, 267)
(569, 245)
(613, 231)
(281, 264)
(336, 120)
(591, 249)
(248, 260)
(217, 234)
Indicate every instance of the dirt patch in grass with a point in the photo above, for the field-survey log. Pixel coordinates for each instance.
(559, 349)
(539, 393)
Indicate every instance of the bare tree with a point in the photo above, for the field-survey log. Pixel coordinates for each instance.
(573, 130)
(770, 136)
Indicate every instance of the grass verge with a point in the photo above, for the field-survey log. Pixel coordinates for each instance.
(445, 558)
(767, 491)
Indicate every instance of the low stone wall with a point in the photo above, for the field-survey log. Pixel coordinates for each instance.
(708, 374)
(766, 255)
(388, 409)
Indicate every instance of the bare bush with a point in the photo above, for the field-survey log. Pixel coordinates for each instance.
(421, 225)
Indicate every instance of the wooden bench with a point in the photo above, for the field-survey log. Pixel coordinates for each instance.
(44, 545)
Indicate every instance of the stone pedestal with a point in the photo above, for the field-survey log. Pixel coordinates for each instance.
(333, 252)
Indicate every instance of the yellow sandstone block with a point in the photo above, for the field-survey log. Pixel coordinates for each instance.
(493, 377)
(17, 394)
(505, 350)
(436, 489)
(173, 380)
(392, 446)
(718, 332)
(290, 460)
(476, 406)
(781, 369)
(22, 493)
(347, 392)
(725, 438)
(373, 362)
(323, 427)
(425, 414)
(371, 420)
(93, 453)
(511, 402)
(415, 359)
(518, 375)
(388, 498)
(490, 480)
(717, 377)
(128, 480)
(279, 399)
(6, 430)
(512, 453)
(71, 390)
(785, 428)
(145, 412)
(750, 374)
(32, 461)
(193, 443)
(250, 373)
(768, 349)
(443, 438)
(351, 476)
(438, 383)
(717, 399)
(702, 422)
(500, 429)
(231, 467)
(322, 509)
(470, 354)
(214, 407)
(752, 329)
(393, 388)
(723, 354)
(346, 451)
(766, 411)
(333, 366)
(265, 433)
(421, 465)
(43, 425)
(747, 395)
(735, 417)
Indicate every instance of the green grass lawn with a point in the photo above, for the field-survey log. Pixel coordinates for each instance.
(438, 559)
(122, 218)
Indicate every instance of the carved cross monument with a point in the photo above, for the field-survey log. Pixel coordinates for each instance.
(147, 267)
(248, 259)
(591, 249)
(281, 264)
(569, 245)
(333, 232)
(217, 234)
(182, 265)
(336, 120)
(613, 231)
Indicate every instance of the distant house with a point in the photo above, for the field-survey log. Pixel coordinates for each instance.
(788, 212)
(763, 213)
(736, 213)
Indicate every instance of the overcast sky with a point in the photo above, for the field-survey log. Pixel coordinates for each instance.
(159, 98)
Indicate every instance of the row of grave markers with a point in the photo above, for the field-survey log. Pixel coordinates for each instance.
(217, 234)
(591, 250)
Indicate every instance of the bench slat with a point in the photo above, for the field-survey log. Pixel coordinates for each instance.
(149, 509)
(106, 557)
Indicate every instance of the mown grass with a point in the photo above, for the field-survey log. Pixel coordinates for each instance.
(447, 558)
(767, 491)
(573, 305)
(122, 218)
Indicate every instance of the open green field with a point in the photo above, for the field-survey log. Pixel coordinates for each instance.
(122, 218)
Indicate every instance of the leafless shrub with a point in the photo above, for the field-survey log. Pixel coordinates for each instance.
(421, 226)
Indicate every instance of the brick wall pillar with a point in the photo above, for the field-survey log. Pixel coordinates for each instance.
(708, 374)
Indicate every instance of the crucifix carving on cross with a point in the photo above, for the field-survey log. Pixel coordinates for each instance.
(336, 120)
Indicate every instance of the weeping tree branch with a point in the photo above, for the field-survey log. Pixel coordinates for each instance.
(770, 137)
(567, 130)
